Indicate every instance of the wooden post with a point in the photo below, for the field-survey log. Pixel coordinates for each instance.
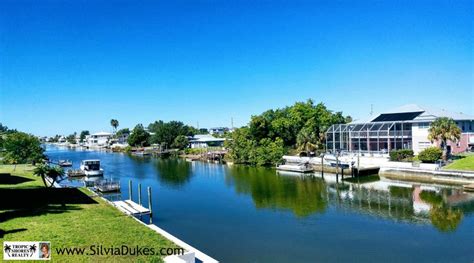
(322, 165)
(337, 167)
(140, 194)
(130, 189)
(149, 204)
(342, 173)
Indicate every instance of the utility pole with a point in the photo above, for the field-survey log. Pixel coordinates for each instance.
(232, 123)
(371, 109)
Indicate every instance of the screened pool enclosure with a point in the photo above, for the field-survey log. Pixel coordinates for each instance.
(372, 137)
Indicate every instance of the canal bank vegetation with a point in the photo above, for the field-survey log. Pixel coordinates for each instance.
(68, 218)
(464, 162)
(18, 147)
(272, 134)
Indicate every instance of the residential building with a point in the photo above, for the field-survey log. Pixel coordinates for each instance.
(218, 130)
(405, 127)
(205, 141)
(99, 139)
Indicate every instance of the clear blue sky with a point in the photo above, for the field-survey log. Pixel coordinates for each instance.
(72, 65)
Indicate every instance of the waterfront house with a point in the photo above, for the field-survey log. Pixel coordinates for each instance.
(405, 127)
(99, 139)
(205, 141)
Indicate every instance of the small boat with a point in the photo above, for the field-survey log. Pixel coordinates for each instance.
(65, 163)
(299, 168)
(75, 173)
(91, 168)
(340, 161)
(141, 153)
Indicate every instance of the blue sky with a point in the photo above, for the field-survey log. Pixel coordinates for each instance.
(66, 66)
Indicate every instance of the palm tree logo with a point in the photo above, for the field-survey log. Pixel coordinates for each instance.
(32, 249)
(7, 249)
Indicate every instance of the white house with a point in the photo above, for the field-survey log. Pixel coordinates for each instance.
(98, 139)
(205, 140)
(405, 127)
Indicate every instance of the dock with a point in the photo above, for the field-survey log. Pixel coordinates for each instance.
(131, 208)
(107, 186)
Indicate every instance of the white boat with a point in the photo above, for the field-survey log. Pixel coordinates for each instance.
(299, 168)
(65, 163)
(91, 168)
(342, 161)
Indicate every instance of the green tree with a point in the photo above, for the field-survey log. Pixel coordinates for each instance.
(20, 148)
(82, 135)
(302, 125)
(122, 133)
(139, 137)
(71, 138)
(241, 146)
(269, 152)
(180, 142)
(166, 132)
(114, 123)
(46, 171)
(444, 129)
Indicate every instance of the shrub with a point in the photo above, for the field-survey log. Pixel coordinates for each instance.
(430, 155)
(401, 155)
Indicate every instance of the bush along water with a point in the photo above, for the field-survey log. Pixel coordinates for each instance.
(430, 155)
(402, 155)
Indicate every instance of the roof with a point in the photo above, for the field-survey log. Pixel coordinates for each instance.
(205, 138)
(101, 134)
(415, 113)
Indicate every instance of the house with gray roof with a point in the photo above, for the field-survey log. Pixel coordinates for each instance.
(405, 127)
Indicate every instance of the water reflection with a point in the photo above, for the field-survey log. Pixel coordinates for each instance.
(173, 172)
(440, 206)
(303, 196)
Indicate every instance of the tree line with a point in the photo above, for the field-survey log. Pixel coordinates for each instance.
(272, 134)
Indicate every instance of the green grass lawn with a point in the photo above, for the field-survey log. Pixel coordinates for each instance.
(466, 163)
(67, 218)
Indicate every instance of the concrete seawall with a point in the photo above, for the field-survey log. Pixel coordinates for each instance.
(428, 176)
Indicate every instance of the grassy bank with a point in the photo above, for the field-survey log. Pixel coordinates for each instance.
(466, 164)
(68, 218)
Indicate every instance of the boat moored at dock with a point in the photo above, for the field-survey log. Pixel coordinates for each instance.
(91, 168)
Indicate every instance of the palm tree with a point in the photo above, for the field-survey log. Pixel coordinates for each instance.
(114, 123)
(44, 171)
(444, 129)
(307, 140)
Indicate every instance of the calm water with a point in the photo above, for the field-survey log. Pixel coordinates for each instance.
(243, 214)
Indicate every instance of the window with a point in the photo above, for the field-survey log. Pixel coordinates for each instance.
(423, 125)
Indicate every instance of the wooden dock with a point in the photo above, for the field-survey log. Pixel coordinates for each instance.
(131, 208)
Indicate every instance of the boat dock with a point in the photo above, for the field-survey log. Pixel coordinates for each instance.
(131, 208)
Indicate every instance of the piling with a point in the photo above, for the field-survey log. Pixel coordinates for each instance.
(149, 204)
(322, 165)
(140, 194)
(130, 189)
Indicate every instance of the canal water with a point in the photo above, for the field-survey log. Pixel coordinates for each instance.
(246, 214)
